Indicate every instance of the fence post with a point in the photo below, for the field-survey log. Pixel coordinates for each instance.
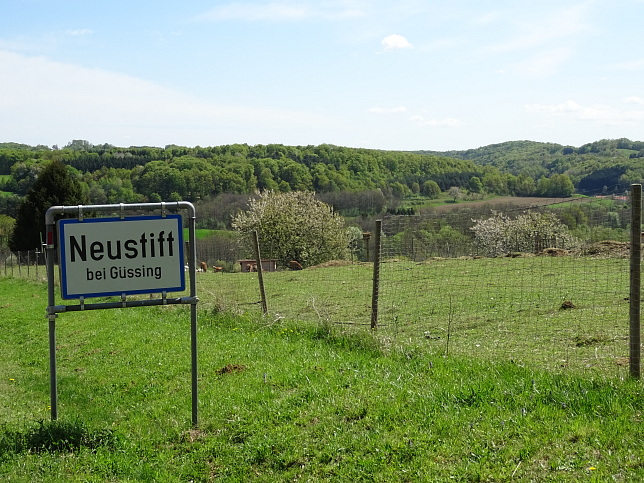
(260, 272)
(376, 275)
(635, 280)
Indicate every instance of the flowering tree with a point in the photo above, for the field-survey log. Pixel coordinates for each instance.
(501, 234)
(294, 226)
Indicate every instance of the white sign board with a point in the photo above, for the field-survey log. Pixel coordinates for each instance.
(114, 256)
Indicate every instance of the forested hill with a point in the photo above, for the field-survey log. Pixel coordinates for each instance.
(110, 174)
(614, 163)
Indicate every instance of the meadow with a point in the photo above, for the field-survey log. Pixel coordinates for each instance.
(284, 399)
(557, 313)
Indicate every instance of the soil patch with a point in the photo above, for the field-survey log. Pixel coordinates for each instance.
(231, 368)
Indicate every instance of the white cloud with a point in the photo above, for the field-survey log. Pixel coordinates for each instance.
(79, 32)
(387, 110)
(395, 42)
(446, 122)
(568, 106)
(537, 31)
(279, 11)
(631, 65)
(600, 114)
(544, 63)
(46, 102)
(634, 100)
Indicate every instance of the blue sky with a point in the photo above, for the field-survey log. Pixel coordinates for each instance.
(396, 74)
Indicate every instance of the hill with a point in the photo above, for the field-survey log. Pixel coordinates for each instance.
(614, 163)
(111, 174)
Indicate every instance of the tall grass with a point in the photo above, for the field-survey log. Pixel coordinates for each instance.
(282, 400)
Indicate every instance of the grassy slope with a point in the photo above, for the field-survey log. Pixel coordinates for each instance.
(282, 401)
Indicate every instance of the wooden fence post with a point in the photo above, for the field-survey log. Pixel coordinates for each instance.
(376, 275)
(260, 272)
(635, 280)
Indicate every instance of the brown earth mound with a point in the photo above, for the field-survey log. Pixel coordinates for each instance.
(607, 248)
(333, 263)
(230, 368)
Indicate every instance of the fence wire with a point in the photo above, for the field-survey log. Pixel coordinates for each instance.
(549, 307)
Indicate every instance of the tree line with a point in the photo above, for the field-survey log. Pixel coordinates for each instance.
(109, 174)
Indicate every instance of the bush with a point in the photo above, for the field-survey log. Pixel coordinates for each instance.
(501, 234)
(294, 226)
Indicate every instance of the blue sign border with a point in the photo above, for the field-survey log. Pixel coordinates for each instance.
(63, 268)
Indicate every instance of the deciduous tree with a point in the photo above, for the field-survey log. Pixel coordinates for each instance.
(294, 226)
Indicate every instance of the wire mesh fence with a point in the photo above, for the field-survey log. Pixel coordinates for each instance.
(24, 264)
(548, 306)
(544, 300)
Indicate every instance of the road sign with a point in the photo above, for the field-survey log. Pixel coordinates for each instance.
(115, 256)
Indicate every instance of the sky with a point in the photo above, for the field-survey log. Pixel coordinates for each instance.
(395, 75)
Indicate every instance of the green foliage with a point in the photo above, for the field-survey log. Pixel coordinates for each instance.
(610, 163)
(54, 186)
(431, 189)
(6, 228)
(294, 226)
(475, 185)
(136, 174)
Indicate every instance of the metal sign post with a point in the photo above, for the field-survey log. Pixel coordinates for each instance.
(120, 255)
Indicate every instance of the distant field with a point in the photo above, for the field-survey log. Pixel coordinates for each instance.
(627, 152)
(445, 203)
(3, 179)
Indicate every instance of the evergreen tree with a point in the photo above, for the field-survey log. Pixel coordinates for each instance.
(54, 186)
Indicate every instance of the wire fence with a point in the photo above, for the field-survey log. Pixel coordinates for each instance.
(550, 306)
(25, 264)
(555, 303)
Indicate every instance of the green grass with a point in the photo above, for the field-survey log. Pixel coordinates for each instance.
(283, 401)
(202, 233)
(489, 308)
(3, 179)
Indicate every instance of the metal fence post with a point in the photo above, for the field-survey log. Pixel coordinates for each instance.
(376, 275)
(635, 280)
(260, 272)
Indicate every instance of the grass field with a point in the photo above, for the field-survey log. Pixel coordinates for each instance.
(284, 400)
(489, 308)
(3, 179)
(202, 233)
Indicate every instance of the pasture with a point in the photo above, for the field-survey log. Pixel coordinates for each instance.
(309, 393)
(556, 313)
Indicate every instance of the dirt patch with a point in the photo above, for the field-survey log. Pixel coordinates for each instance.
(587, 341)
(554, 252)
(518, 255)
(504, 202)
(567, 305)
(333, 263)
(192, 435)
(622, 361)
(231, 368)
(607, 248)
